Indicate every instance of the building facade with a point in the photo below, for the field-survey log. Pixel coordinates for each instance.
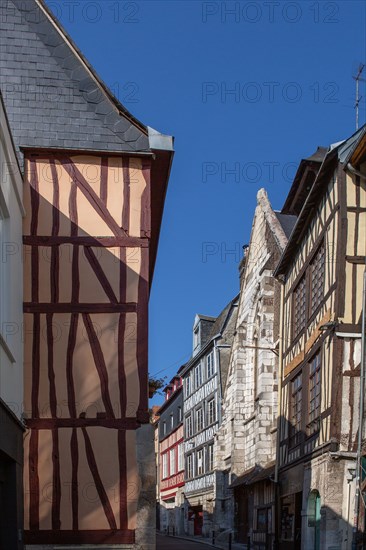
(11, 345)
(245, 446)
(171, 459)
(204, 378)
(94, 186)
(322, 271)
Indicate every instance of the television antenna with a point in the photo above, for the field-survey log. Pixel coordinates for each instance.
(358, 79)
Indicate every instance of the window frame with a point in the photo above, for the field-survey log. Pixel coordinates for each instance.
(299, 320)
(210, 457)
(199, 427)
(210, 365)
(309, 308)
(200, 455)
(196, 336)
(296, 398)
(211, 421)
(190, 466)
(263, 515)
(314, 305)
(164, 464)
(315, 383)
(180, 456)
(188, 385)
(188, 422)
(198, 369)
(172, 462)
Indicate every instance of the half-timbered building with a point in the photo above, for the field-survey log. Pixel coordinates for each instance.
(171, 459)
(94, 185)
(321, 270)
(204, 377)
(245, 446)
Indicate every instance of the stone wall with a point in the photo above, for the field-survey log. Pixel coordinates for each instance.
(246, 438)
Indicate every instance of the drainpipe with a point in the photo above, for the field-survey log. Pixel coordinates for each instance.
(361, 418)
(279, 401)
(218, 374)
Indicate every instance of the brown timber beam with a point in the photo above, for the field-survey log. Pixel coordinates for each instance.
(73, 307)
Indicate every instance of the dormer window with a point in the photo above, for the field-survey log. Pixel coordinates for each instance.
(196, 338)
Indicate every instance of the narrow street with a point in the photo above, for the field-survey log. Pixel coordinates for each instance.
(170, 543)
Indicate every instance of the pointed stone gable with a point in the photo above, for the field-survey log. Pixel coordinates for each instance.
(52, 96)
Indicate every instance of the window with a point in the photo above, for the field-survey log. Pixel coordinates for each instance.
(211, 411)
(189, 430)
(180, 457)
(296, 409)
(317, 273)
(210, 365)
(200, 463)
(299, 306)
(164, 428)
(187, 385)
(199, 419)
(263, 523)
(190, 472)
(210, 457)
(172, 421)
(196, 337)
(172, 462)
(198, 376)
(314, 280)
(165, 465)
(314, 394)
(179, 414)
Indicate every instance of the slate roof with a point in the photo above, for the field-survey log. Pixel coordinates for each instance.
(218, 327)
(287, 222)
(254, 475)
(206, 317)
(219, 324)
(337, 153)
(53, 97)
(300, 187)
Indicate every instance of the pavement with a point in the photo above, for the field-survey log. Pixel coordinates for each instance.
(164, 542)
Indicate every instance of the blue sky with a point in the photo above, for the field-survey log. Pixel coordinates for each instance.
(247, 89)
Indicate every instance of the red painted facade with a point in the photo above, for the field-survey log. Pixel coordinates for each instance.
(171, 447)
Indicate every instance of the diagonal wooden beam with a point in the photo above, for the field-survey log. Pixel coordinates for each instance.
(91, 196)
(69, 363)
(101, 276)
(98, 482)
(99, 363)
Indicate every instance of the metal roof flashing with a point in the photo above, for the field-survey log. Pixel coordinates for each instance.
(160, 141)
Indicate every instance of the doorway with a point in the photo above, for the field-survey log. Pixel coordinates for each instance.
(313, 513)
